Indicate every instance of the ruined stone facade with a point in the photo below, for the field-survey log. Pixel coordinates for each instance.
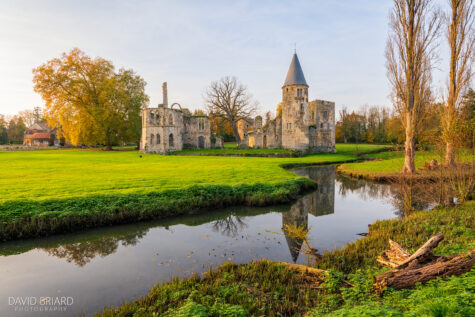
(303, 126)
(166, 129)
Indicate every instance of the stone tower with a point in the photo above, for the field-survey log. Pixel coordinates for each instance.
(295, 132)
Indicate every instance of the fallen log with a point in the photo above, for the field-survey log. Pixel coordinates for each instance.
(420, 267)
(300, 268)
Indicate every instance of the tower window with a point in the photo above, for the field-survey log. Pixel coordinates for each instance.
(325, 115)
(301, 107)
(313, 115)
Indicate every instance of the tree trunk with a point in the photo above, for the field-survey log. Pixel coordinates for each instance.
(409, 151)
(420, 267)
(236, 133)
(418, 272)
(449, 155)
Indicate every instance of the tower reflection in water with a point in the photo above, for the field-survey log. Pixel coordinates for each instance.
(318, 203)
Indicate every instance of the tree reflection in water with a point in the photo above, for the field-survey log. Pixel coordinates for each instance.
(229, 226)
(82, 253)
(405, 195)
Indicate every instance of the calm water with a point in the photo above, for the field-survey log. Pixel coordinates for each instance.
(107, 266)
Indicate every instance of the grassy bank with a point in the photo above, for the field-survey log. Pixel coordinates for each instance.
(28, 218)
(270, 289)
(388, 165)
(46, 192)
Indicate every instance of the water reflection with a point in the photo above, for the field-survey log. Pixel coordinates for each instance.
(82, 253)
(229, 226)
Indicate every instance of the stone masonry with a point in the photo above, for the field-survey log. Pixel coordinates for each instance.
(166, 129)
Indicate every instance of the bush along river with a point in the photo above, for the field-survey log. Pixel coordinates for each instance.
(82, 272)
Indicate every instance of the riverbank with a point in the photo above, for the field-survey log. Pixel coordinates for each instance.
(68, 190)
(386, 166)
(271, 289)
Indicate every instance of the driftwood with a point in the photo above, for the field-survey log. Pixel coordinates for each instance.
(420, 267)
(300, 268)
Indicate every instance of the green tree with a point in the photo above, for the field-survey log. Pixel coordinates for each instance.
(3, 130)
(16, 130)
(88, 101)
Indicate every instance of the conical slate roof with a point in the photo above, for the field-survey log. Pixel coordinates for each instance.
(295, 74)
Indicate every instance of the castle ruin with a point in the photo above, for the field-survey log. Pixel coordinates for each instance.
(167, 129)
(302, 126)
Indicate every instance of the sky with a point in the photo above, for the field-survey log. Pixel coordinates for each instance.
(189, 44)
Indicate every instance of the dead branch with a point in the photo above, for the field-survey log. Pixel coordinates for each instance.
(420, 267)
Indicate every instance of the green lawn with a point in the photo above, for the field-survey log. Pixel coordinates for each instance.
(71, 173)
(230, 148)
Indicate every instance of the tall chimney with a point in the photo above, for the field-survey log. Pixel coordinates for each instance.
(165, 95)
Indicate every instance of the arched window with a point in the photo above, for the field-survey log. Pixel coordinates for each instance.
(158, 138)
(152, 139)
(170, 120)
(152, 116)
(170, 140)
(301, 107)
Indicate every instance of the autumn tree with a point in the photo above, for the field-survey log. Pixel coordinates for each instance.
(410, 53)
(230, 100)
(461, 40)
(88, 101)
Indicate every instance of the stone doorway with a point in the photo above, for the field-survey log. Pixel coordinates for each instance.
(264, 142)
(201, 142)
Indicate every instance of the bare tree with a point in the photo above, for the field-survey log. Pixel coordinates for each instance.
(410, 53)
(229, 99)
(461, 40)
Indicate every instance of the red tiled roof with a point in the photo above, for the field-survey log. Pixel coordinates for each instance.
(39, 136)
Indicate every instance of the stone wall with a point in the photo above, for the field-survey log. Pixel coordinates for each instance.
(165, 130)
(322, 126)
(162, 130)
(197, 132)
(295, 118)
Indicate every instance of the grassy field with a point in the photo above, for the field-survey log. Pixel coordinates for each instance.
(230, 148)
(40, 175)
(268, 289)
(45, 192)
